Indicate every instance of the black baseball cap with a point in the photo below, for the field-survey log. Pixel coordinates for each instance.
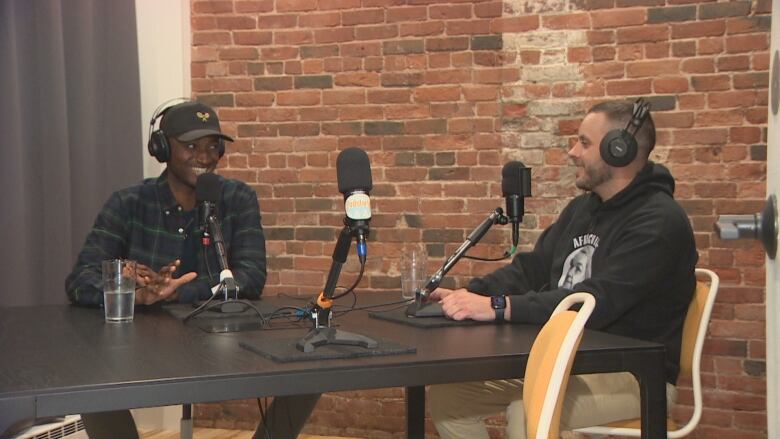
(189, 121)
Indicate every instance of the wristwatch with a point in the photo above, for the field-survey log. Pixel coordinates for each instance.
(498, 303)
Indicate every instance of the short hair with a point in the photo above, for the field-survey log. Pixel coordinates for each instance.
(619, 114)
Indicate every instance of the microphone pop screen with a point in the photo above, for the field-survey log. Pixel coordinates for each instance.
(353, 172)
(207, 188)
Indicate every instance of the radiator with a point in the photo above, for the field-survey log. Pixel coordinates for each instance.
(70, 428)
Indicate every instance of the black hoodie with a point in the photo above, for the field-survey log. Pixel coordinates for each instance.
(635, 253)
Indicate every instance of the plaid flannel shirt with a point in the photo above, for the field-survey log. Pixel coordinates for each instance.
(146, 224)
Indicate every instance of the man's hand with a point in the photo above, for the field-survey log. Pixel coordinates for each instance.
(440, 293)
(157, 286)
(462, 304)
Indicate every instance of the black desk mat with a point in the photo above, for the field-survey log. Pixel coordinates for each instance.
(284, 350)
(399, 316)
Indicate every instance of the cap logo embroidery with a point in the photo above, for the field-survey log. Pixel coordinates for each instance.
(203, 116)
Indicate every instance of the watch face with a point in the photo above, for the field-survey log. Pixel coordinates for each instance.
(498, 302)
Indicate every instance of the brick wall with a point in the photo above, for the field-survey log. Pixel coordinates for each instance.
(441, 94)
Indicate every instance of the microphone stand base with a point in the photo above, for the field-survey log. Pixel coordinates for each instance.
(232, 306)
(427, 309)
(327, 335)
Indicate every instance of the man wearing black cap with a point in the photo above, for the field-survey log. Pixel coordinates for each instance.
(154, 223)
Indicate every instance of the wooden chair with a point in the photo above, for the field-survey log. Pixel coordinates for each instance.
(694, 331)
(549, 365)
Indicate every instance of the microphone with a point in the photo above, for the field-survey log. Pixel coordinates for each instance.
(208, 190)
(207, 193)
(353, 172)
(515, 186)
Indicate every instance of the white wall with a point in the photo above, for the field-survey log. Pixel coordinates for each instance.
(164, 62)
(164, 41)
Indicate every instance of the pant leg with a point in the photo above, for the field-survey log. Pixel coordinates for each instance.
(593, 399)
(117, 424)
(286, 416)
(459, 410)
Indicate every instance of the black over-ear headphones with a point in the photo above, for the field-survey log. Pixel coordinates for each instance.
(158, 145)
(619, 147)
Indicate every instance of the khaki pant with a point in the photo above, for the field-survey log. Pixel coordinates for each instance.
(458, 410)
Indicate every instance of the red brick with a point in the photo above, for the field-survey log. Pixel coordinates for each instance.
(700, 136)
(711, 82)
(277, 53)
(449, 12)
(447, 76)
(582, 54)
(708, 28)
(718, 118)
(376, 32)
(358, 79)
(488, 9)
(362, 16)
(248, 53)
(579, 20)
(709, 46)
(747, 43)
(642, 34)
(321, 19)
(629, 87)
(618, 18)
(281, 21)
(670, 85)
(428, 28)
(698, 65)
(211, 7)
(338, 35)
(657, 50)
(436, 94)
(389, 96)
(236, 22)
(496, 76)
(254, 6)
(468, 27)
(210, 38)
(406, 13)
(295, 5)
(338, 4)
(601, 37)
(653, 68)
(514, 24)
(298, 97)
(254, 99)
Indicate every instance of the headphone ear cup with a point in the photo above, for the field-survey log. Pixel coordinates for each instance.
(158, 146)
(618, 148)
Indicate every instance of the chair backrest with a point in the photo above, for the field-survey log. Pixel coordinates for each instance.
(694, 331)
(549, 365)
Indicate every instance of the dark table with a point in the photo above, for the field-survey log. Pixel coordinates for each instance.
(57, 360)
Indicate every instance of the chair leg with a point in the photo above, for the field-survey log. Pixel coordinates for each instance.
(185, 429)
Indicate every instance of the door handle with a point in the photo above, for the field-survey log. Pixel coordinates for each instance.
(761, 226)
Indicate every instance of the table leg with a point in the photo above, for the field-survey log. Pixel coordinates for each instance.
(415, 412)
(649, 371)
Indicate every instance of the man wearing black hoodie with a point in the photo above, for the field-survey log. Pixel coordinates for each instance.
(626, 241)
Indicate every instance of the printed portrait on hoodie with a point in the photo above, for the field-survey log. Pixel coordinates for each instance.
(576, 268)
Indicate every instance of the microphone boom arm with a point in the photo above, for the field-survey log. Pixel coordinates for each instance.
(495, 217)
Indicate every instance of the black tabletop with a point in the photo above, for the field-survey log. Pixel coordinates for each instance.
(59, 360)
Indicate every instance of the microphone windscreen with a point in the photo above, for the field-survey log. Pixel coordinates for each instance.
(353, 171)
(207, 188)
(515, 179)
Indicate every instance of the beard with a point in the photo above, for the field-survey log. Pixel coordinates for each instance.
(595, 175)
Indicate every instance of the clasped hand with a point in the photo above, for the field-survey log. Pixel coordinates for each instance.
(155, 286)
(462, 304)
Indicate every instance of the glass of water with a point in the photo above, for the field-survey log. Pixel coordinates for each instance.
(413, 267)
(119, 289)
